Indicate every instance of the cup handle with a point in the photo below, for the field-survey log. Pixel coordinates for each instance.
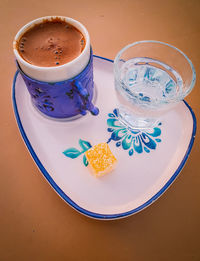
(84, 103)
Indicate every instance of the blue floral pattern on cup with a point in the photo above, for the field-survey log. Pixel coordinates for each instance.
(64, 99)
(132, 139)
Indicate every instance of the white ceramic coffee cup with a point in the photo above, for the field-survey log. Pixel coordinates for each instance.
(55, 73)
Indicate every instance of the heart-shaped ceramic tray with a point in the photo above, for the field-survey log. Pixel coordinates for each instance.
(148, 161)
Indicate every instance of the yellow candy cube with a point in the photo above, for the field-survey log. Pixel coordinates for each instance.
(100, 158)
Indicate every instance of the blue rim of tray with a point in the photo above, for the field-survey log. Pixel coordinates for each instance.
(69, 200)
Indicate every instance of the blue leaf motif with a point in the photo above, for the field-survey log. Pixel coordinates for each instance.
(72, 153)
(111, 115)
(114, 123)
(115, 112)
(150, 143)
(137, 144)
(147, 150)
(158, 140)
(155, 132)
(131, 152)
(118, 134)
(110, 130)
(85, 161)
(126, 143)
(118, 144)
(85, 145)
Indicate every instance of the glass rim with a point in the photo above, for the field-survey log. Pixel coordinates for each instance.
(119, 54)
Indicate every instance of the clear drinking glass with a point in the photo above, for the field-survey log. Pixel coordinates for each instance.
(151, 77)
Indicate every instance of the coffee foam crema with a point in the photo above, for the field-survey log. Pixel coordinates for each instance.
(54, 59)
(51, 43)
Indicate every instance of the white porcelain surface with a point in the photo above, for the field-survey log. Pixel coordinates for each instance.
(136, 179)
(56, 73)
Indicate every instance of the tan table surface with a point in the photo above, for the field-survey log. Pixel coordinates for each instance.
(35, 224)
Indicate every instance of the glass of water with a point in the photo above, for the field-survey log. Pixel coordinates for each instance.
(151, 77)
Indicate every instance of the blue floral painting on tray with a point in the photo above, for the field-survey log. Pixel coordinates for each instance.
(132, 139)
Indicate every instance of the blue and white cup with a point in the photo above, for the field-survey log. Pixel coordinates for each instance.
(62, 91)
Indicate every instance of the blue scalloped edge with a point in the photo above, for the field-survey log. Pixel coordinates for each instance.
(69, 200)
